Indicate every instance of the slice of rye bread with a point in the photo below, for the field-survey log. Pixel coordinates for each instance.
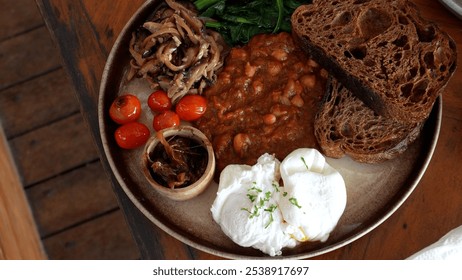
(395, 61)
(344, 125)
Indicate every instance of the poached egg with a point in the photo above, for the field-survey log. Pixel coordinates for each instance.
(254, 210)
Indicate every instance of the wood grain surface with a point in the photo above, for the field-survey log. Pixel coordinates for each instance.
(69, 197)
(19, 238)
(84, 32)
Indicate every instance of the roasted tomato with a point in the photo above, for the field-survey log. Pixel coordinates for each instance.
(165, 119)
(125, 108)
(131, 135)
(159, 101)
(191, 107)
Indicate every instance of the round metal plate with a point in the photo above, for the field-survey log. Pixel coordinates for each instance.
(374, 191)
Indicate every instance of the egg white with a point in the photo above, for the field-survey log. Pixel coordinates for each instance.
(254, 211)
(319, 191)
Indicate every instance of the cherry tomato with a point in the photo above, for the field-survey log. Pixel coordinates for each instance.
(191, 107)
(165, 119)
(125, 108)
(159, 101)
(131, 135)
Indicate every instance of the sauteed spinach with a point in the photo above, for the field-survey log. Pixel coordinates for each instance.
(238, 21)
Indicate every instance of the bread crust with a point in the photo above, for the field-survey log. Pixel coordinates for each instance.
(393, 60)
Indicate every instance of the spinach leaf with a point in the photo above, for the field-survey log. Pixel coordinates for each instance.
(238, 21)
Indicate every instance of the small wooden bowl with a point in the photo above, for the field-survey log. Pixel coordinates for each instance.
(193, 190)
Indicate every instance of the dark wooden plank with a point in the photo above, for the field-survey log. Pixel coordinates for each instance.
(53, 149)
(169, 248)
(71, 198)
(27, 56)
(105, 238)
(68, 25)
(201, 255)
(86, 62)
(36, 103)
(17, 17)
(36, 92)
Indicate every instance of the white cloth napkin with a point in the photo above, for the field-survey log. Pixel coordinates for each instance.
(449, 247)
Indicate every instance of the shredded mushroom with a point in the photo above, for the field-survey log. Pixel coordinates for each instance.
(175, 52)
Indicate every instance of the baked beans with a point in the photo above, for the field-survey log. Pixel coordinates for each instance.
(264, 101)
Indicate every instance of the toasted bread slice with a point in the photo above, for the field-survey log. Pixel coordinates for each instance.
(392, 59)
(344, 125)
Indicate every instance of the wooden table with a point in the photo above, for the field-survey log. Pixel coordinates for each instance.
(84, 32)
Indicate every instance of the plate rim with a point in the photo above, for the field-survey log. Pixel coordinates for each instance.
(455, 6)
(102, 116)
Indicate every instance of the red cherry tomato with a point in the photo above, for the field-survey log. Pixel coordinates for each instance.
(131, 135)
(191, 107)
(125, 108)
(159, 101)
(165, 119)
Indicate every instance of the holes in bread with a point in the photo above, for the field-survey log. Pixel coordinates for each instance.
(429, 60)
(401, 41)
(358, 52)
(403, 20)
(347, 54)
(382, 44)
(419, 91)
(406, 90)
(412, 72)
(304, 15)
(414, 92)
(360, 2)
(426, 34)
(334, 136)
(422, 70)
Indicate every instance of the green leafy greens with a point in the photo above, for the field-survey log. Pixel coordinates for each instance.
(238, 21)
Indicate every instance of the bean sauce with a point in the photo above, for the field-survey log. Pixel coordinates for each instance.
(264, 101)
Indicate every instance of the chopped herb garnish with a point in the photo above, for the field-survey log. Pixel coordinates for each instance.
(294, 202)
(254, 188)
(284, 194)
(251, 197)
(304, 162)
(252, 193)
(255, 212)
(252, 214)
(246, 209)
(270, 210)
(262, 202)
(270, 221)
(276, 186)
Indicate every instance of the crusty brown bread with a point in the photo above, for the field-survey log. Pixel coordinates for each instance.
(344, 125)
(393, 60)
